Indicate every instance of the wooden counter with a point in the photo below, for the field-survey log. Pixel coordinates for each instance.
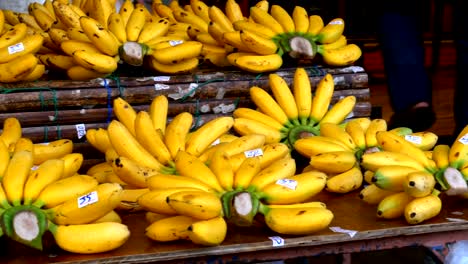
(248, 244)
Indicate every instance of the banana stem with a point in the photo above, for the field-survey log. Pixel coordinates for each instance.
(243, 208)
(299, 132)
(133, 53)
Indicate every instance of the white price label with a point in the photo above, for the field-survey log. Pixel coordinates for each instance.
(464, 139)
(193, 86)
(288, 183)
(338, 229)
(18, 47)
(336, 22)
(161, 86)
(413, 139)
(80, 130)
(175, 42)
(277, 241)
(253, 153)
(216, 142)
(161, 78)
(87, 199)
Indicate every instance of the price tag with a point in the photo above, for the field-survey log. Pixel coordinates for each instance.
(35, 167)
(161, 78)
(87, 199)
(175, 42)
(16, 48)
(336, 22)
(464, 139)
(413, 139)
(216, 142)
(288, 183)
(80, 130)
(253, 153)
(161, 86)
(277, 241)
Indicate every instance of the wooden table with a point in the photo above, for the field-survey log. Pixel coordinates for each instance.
(253, 243)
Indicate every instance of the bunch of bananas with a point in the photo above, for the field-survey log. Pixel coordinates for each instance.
(33, 201)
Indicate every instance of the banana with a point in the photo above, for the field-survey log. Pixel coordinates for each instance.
(23, 144)
(254, 27)
(393, 206)
(233, 11)
(301, 19)
(131, 172)
(3, 199)
(16, 175)
(29, 20)
(322, 98)
(11, 132)
(297, 221)
(281, 169)
(183, 66)
(90, 238)
(342, 56)
(177, 131)
(4, 158)
(125, 113)
(2, 21)
(246, 126)
(283, 96)
(170, 228)
(88, 207)
(71, 164)
(95, 61)
(218, 17)
(80, 73)
(233, 38)
(53, 195)
(267, 104)
(263, 4)
(335, 131)
(205, 135)
(58, 36)
(112, 216)
(243, 144)
(333, 161)
(209, 232)
(164, 11)
(373, 161)
(135, 23)
(51, 150)
(458, 154)
(222, 168)
(42, 17)
(153, 217)
(424, 140)
(147, 136)
(79, 35)
(175, 5)
(371, 194)
(101, 37)
(66, 15)
(375, 126)
(126, 10)
(30, 44)
(190, 166)
(262, 17)
(216, 32)
(295, 189)
(341, 42)
(100, 11)
(177, 53)
(391, 142)
(11, 16)
(153, 30)
(130, 148)
(156, 200)
(392, 177)
(257, 43)
(35, 74)
(245, 172)
(243, 112)
(129, 199)
(48, 4)
(340, 110)
(331, 31)
(116, 25)
(419, 184)
(312, 146)
(99, 139)
(270, 153)
(283, 17)
(162, 181)
(13, 35)
(315, 24)
(201, 10)
(345, 182)
(297, 205)
(440, 155)
(197, 204)
(302, 94)
(357, 133)
(158, 112)
(193, 19)
(46, 173)
(423, 208)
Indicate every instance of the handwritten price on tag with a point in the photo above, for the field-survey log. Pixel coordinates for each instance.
(288, 183)
(277, 241)
(253, 153)
(87, 199)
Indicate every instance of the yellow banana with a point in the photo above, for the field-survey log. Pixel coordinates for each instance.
(315, 24)
(245, 126)
(440, 155)
(183, 66)
(302, 94)
(79, 35)
(48, 4)
(177, 131)
(22, 144)
(282, 169)
(43, 19)
(209, 232)
(101, 37)
(116, 25)
(267, 104)
(130, 148)
(243, 144)
(100, 10)
(153, 30)
(102, 141)
(4, 158)
(342, 56)
(340, 110)
(129, 199)
(197, 204)
(51, 150)
(190, 166)
(322, 98)
(295, 189)
(312, 146)
(371, 194)
(90, 238)
(283, 17)
(13, 35)
(29, 44)
(257, 43)
(66, 15)
(35, 74)
(297, 221)
(419, 184)
(393, 205)
(158, 112)
(126, 10)
(164, 11)
(131, 172)
(254, 27)
(337, 132)
(11, 16)
(245, 172)
(458, 154)
(71, 164)
(125, 113)
(88, 207)
(424, 140)
(222, 168)
(331, 31)
(268, 154)
(170, 228)
(175, 54)
(233, 38)
(193, 19)
(375, 160)
(16, 175)
(11, 132)
(95, 61)
(233, 11)
(357, 133)
(58, 36)
(153, 217)
(217, 16)
(216, 32)
(200, 9)
(46, 173)
(340, 42)
(345, 182)
(29, 20)
(283, 96)
(301, 19)
(263, 4)
(162, 181)
(392, 177)
(205, 135)
(264, 18)
(135, 23)
(242, 112)
(375, 126)
(156, 200)
(333, 161)
(423, 208)
(112, 216)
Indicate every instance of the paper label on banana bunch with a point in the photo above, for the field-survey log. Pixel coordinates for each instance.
(253, 153)
(338, 229)
(175, 42)
(80, 130)
(277, 241)
(414, 139)
(18, 47)
(464, 139)
(87, 199)
(288, 183)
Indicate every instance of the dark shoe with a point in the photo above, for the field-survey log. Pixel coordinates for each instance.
(418, 119)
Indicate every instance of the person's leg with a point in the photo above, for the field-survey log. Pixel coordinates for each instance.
(461, 43)
(409, 86)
